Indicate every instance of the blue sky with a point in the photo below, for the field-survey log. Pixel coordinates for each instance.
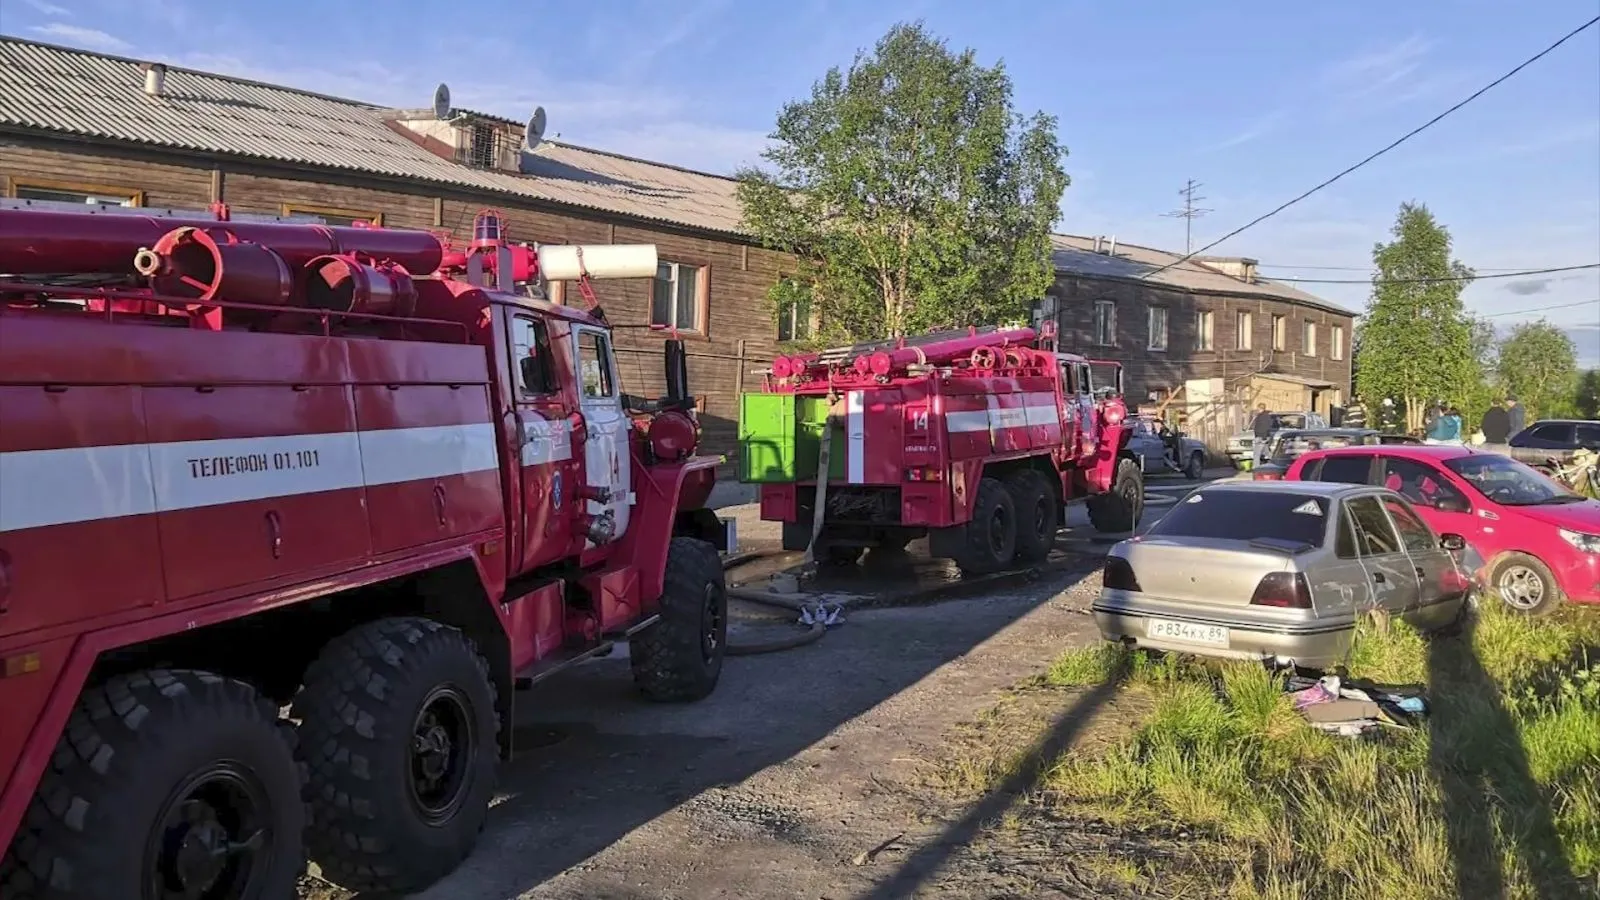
(1257, 100)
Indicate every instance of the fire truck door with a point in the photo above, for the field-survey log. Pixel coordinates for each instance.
(606, 460)
(544, 452)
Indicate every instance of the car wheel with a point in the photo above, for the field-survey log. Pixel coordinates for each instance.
(1196, 467)
(1526, 585)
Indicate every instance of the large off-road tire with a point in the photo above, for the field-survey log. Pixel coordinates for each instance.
(1195, 467)
(398, 731)
(1525, 585)
(1038, 505)
(1119, 509)
(990, 538)
(164, 779)
(679, 658)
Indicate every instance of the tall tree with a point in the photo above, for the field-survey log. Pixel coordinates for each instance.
(1587, 401)
(1416, 339)
(1539, 364)
(911, 193)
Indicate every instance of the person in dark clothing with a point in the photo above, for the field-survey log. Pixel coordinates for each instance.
(1496, 425)
(1517, 414)
(1263, 427)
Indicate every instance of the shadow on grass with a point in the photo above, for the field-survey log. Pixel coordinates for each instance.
(1487, 786)
(925, 862)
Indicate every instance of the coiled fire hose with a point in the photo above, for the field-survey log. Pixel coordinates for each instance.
(814, 633)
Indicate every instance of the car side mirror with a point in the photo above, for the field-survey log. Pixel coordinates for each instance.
(1454, 543)
(1453, 504)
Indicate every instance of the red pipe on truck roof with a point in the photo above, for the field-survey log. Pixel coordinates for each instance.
(38, 242)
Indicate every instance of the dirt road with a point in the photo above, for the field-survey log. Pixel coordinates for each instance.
(783, 782)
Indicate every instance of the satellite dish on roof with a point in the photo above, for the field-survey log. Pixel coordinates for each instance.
(533, 132)
(441, 101)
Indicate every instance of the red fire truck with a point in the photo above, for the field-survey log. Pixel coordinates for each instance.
(364, 475)
(977, 438)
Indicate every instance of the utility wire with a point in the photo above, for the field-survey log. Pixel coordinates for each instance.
(1523, 312)
(1368, 268)
(1402, 139)
(1445, 280)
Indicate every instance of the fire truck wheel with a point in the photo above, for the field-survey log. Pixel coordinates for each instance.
(679, 658)
(398, 731)
(1038, 514)
(991, 535)
(1119, 509)
(166, 783)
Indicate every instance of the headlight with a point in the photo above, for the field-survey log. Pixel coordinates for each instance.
(1588, 543)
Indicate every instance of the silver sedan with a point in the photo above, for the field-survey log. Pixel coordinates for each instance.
(1278, 571)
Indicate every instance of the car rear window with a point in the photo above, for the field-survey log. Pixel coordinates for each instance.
(1247, 515)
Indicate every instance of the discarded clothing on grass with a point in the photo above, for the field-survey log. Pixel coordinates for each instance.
(1350, 707)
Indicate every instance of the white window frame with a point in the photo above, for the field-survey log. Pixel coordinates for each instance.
(675, 270)
(1308, 338)
(1205, 332)
(1244, 337)
(1151, 316)
(1336, 343)
(1105, 314)
(1280, 333)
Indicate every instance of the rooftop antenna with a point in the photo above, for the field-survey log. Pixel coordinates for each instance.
(441, 101)
(533, 132)
(1188, 214)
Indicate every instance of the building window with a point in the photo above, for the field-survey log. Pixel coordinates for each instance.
(1308, 338)
(334, 215)
(679, 297)
(70, 192)
(1158, 328)
(1280, 333)
(1244, 336)
(794, 310)
(1105, 323)
(1336, 342)
(1203, 330)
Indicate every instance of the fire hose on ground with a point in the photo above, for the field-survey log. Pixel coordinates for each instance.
(813, 613)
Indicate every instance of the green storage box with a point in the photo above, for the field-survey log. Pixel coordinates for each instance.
(780, 436)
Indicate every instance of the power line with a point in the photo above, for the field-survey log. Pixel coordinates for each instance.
(1188, 213)
(1368, 268)
(1517, 274)
(1402, 139)
(1523, 312)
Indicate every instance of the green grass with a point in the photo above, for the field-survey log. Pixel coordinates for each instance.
(1498, 794)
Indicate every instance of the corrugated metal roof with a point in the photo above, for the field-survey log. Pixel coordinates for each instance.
(1076, 254)
(57, 89)
(50, 88)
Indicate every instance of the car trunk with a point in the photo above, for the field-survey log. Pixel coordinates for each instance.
(1214, 572)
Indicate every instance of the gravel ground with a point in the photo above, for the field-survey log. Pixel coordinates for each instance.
(803, 776)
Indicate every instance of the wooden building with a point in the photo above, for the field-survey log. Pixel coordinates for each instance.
(89, 128)
(1202, 329)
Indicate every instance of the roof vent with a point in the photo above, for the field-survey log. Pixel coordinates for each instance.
(1240, 267)
(155, 79)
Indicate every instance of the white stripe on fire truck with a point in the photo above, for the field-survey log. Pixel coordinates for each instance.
(855, 430)
(39, 488)
(1036, 409)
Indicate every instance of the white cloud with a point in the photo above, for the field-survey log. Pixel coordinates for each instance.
(49, 9)
(78, 36)
(1376, 69)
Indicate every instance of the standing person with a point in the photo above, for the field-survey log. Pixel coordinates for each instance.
(1456, 426)
(1430, 416)
(1355, 415)
(1263, 428)
(1517, 414)
(1496, 425)
(1439, 429)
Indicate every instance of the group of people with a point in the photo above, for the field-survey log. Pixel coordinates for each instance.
(1443, 423)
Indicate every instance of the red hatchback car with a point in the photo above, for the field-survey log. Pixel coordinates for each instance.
(1531, 540)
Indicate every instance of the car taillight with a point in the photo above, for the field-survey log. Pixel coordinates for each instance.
(1118, 575)
(1288, 590)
